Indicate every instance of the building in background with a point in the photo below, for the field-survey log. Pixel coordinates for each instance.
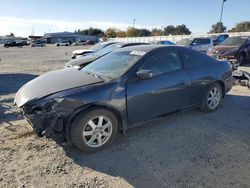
(68, 36)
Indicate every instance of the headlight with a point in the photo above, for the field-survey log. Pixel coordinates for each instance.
(51, 104)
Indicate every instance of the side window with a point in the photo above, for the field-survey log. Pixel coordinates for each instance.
(205, 41)
(196, 41)
(193, 58)
(163, 61)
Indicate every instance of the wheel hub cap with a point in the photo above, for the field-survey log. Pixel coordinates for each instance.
(213, 98)
(97, 131)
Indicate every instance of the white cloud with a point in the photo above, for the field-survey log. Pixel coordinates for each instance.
(24, 27)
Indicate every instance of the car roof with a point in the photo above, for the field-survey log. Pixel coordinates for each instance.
(125, 44)
(145, 48)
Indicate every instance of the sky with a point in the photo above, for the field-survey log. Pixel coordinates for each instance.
(26, 17)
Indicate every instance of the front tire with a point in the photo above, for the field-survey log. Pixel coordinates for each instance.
(241, 59)
(94, 130)
(212, 98)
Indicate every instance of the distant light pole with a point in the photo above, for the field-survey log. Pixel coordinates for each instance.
(134, 20)
(221, 12)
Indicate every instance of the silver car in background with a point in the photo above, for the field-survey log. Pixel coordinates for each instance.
(201, 44)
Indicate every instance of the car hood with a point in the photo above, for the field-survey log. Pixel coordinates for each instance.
(223, 49)
(82, 51)
(81, 61)
(53, 82)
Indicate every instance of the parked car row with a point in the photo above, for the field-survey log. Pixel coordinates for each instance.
(41, 43)
(83, 43)
(119, 86)
(13, 44)
(86, 59)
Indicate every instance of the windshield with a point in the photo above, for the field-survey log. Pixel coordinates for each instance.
(185, 42)
(114, 64)
(106, 50)
(234, 41)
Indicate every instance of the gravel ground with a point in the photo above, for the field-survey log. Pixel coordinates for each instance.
(187, 149)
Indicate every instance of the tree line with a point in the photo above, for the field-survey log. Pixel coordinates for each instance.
(136, 32)
(219, 27)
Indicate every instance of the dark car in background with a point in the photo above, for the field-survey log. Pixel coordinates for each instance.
(93, 49)
(218, 39)
(13, 44)
(120, 90)
(85, 60)
(233, 49)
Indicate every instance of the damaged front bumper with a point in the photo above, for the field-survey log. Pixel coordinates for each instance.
(50, 125)
(48, 118)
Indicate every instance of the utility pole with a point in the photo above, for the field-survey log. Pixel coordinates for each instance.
(134, 20)
(221, 13)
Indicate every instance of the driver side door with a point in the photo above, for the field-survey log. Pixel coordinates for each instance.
(165, 92)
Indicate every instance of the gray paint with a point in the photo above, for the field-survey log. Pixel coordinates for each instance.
(132, 99)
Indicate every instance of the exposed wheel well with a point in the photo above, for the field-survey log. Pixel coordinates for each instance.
(88, 109)
(222, 87)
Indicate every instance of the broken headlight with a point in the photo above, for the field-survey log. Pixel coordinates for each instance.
(42, 106)
(51, 104)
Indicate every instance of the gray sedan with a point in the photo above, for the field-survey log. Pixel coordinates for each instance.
(120, 90)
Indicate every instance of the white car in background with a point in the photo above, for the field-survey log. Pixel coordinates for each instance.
(62, 43)
(201, 44)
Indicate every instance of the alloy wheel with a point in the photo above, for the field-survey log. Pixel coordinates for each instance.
(214, 98)
(97, 131)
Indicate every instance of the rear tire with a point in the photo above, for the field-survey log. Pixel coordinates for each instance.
(212, 98)
(94, 130)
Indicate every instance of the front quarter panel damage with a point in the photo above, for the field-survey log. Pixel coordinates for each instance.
(49, 117)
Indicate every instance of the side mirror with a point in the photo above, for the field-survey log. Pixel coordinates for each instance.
(144, 74)
(193, 44)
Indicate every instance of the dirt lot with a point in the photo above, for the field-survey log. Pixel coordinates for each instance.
(187, 149)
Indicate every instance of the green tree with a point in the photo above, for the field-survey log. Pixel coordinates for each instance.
(143, 32)
(12, 34)
(218, 28)
(177, 30)
(169, 30)
(157, 32)
(110, 33)
(132, 32)
(182, 30)
(120, 33)
(91, 31)
(241, 27)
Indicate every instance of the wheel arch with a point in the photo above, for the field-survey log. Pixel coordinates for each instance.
(85, 109)
(221, 83)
